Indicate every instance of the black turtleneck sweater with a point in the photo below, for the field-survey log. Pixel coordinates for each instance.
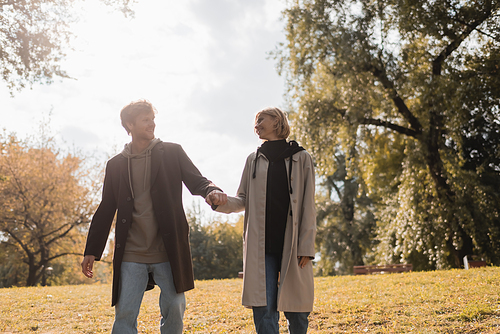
(277, 197)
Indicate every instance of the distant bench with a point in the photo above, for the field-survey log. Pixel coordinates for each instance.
(387, 268)
(472, 261)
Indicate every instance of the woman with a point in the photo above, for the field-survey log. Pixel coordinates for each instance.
(277, 194)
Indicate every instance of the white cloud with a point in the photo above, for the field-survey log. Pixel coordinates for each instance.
(201, 63)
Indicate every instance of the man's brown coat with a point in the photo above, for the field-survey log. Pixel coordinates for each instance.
(170, 167)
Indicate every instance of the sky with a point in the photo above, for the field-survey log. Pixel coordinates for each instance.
(204, 65)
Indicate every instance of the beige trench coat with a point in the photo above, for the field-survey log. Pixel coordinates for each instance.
(296, 289)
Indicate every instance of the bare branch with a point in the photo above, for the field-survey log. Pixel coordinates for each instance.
(437, 64)
(381, 74)
(19, 241)
(337, 190)
(62, 235)
(398, 128)
(63, 254)
(57, 230)
(479, 30)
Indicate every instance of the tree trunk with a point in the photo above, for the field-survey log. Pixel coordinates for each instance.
(445, 194)
(347, 204)
(32, 270)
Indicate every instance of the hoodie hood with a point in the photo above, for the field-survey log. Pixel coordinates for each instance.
(127, 153)
(127, 150)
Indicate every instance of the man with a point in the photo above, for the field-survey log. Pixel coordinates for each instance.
(143, 186)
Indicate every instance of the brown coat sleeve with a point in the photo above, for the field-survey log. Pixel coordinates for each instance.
(103, 217)
(191, 176)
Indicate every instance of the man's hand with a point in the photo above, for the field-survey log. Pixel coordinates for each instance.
(88, 265)
(216, 197)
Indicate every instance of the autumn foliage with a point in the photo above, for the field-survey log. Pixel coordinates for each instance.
(46, 201)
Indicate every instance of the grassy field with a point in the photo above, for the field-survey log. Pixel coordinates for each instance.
(454, 301)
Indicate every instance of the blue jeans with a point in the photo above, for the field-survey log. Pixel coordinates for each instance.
(266, 318)
(133, 282)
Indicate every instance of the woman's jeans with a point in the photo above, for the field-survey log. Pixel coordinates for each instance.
(266, 318)
(133, 282)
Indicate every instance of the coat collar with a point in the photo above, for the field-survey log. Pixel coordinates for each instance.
(124, 172)
(156, 158)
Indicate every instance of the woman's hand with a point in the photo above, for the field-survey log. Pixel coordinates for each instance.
(216, 198)
(303, 260)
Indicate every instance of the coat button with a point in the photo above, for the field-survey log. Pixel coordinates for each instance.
(129, 199)
(295, 201)
(118, 246)
(124, 221)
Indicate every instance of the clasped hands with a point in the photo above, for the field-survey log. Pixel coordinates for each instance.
(216, 197)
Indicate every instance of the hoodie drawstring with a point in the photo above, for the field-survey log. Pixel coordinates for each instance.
(146, 154)
(130, 177)
(148, 157)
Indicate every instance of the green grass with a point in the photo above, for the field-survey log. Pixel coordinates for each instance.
(453, 301)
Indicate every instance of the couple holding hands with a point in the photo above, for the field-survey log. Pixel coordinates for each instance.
(143, 188)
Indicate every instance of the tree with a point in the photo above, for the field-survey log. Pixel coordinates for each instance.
(34, 35)
(46, 201)
(11, 274)
(216, 247)
(345, 234)
(420, 77)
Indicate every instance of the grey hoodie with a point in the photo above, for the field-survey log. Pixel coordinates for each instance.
(144, 243)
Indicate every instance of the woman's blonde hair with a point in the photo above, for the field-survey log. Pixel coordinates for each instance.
(282, 126)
